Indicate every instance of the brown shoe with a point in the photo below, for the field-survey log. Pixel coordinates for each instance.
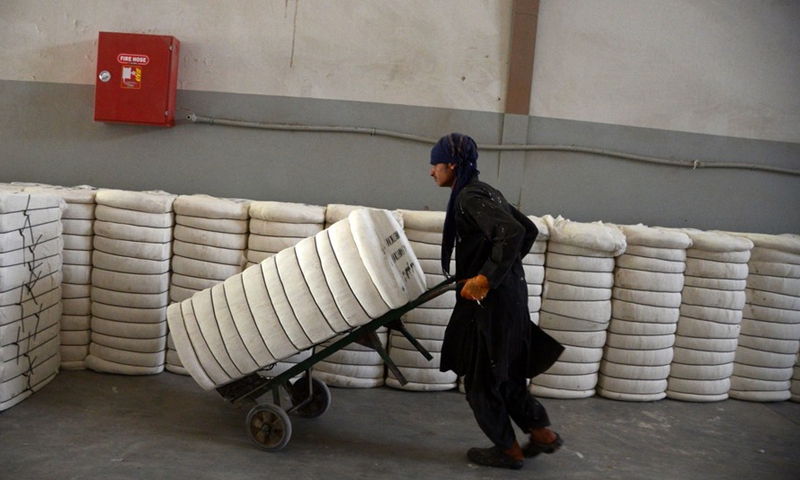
(494, 457)
(532, 448)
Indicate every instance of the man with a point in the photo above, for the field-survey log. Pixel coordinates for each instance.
(490, 338)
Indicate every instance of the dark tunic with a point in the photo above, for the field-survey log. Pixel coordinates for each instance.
(492, 237)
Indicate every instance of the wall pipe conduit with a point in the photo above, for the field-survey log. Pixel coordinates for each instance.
(693, 164)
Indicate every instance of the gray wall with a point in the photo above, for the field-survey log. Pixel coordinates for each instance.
(47, 135)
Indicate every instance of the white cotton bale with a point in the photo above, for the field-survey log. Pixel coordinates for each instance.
(627, 327)
(148, 202)
(770, 314)
(648, 280)
(712, 269)
(232, 241)
(573, 368)
(725, 299)
(715, 241)
(775, 345)
(697, 328)
(636, 387)
(634, 372)
(638, 357)
(121, 216)
(762, 373)
(593, 236)
(665, 254)
(580, 278)
(365, 260)
(760, 396)
(774, 269)
(701, 372)
(562, 291)
(773, 300)
(132, 233)
(580, 339)
(560, 393)
(714, 283)
(702, 357)
(551, 321)
(270, 228)
(642, 297)
(288, 212)
(655, 237)
(422, 237)
(207, 252)
(633, 262)
(221, 225)
(192, 283)
(203, 268)
(579, 383)
(640, 342)
(707, 344)
(712, 314)
(423, 220)
(206, 206)
(579, 263)
(636, 312)
(595, 311)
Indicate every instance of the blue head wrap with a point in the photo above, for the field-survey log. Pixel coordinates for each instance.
(462, 151)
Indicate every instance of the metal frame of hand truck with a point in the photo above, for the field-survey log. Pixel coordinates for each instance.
(268, 425)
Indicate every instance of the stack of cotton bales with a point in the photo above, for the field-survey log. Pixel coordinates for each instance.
(30, 293)
(770, 328)
(209, 244)
(427, 322)
(210, 238)
(533, 264)
(576, 303)
(77, 221)
(274, 227)
(130, 281)
(711, 310)
(328, 284)
(645, 308)
(355, 366)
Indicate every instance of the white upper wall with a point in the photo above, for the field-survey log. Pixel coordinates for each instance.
(723, 67)
(418, 52)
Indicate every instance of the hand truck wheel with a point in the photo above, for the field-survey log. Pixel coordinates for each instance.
(317, 402)
(268, 427)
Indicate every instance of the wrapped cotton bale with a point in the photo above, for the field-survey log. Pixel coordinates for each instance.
(77, 223)
(770, 327)
(427, 322)
(208, 246)
(130, 281)
(355, 366)
(325, 285)
(710, 315)
(645, 307)
(576, 303)
(30, 293)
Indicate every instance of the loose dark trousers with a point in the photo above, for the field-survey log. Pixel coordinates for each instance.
(495, 405)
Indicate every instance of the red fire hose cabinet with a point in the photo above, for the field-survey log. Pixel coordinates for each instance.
(137, 78)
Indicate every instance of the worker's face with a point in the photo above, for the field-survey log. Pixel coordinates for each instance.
(444, 174)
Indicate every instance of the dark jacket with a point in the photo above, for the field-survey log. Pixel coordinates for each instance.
(492, 237)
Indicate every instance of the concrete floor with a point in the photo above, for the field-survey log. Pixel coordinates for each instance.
(88, 425)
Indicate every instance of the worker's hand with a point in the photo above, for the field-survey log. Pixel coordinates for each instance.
(475, 288)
